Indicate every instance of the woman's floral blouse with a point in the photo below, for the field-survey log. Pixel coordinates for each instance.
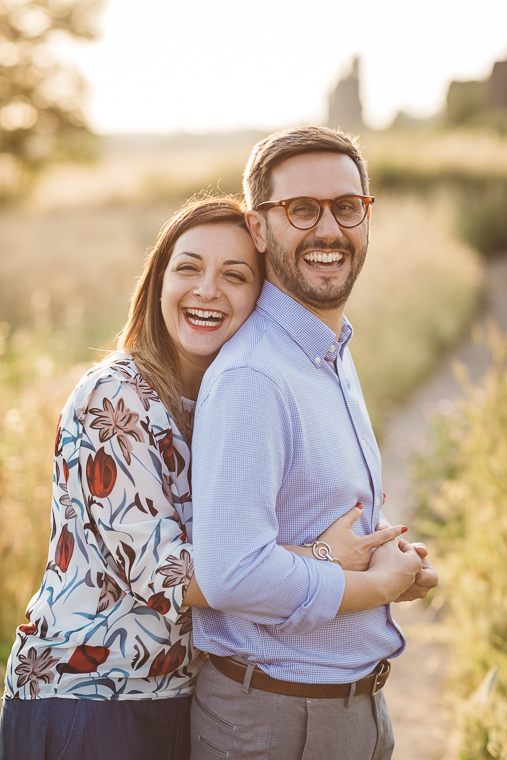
(107, 622)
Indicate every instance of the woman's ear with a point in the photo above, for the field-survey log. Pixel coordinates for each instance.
(257, 227)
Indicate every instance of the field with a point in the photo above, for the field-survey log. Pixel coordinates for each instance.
(462, 489)
(69, 262)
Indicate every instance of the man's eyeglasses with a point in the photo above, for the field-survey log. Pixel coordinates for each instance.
(305, 213)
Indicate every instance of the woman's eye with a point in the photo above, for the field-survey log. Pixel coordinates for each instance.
(236, 276)
(187, 268)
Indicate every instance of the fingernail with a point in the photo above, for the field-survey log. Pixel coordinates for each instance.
(404, 529)
(359, 505)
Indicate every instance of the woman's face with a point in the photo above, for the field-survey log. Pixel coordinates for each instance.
(210, 287)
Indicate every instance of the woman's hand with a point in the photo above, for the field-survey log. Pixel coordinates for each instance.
(354, 552)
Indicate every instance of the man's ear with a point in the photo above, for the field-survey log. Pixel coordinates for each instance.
(257, 227)
(369, 224)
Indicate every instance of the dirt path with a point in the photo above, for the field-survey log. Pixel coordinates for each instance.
(413, 691)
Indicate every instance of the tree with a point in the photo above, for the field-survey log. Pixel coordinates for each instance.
(41, 120)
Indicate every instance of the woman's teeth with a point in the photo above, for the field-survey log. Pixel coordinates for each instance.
(204, 318)
(324, 258)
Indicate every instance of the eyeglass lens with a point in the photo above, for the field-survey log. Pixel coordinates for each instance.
(304, 212)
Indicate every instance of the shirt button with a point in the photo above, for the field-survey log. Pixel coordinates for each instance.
(364, 443)
(331, 349)
(317, 360)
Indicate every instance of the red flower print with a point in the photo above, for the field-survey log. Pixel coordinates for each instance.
(165, 445)
(100, 474)
(168, 661)
(64, 549)
(28, 630)
(65, 470)
(85, 659)
(160, 603)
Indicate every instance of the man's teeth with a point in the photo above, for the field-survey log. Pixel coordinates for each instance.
(201, 317)
(324, 258)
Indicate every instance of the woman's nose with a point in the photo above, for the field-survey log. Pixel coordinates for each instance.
(207, 288)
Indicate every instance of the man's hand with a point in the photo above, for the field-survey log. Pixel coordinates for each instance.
(426, 578)
(396, 564)
(355, 552)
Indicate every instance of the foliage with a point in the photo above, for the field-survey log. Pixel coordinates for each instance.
(415, 296)
(40, 97)
(32, 391)
(65, 284)
(465, 511)
(482, 219)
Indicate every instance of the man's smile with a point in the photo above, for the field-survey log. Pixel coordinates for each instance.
(323, 260)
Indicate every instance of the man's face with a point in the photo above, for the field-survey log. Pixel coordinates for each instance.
(292, 254)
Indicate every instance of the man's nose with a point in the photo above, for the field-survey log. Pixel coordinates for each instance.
(327, 226)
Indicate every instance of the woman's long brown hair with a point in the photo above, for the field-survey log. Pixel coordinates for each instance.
(145, 335)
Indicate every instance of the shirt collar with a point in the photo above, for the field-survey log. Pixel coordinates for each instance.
(315, 338)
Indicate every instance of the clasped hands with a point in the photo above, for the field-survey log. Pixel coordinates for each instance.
(355, 552)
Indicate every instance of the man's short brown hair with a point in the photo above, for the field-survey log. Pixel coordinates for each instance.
(258, 180)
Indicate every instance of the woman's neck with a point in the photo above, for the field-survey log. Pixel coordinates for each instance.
(191, 374)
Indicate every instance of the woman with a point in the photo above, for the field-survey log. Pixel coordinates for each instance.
(105, 666)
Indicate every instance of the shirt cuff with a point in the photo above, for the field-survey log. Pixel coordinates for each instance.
(326, 586)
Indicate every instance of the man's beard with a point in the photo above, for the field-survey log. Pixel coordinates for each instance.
(329, 295)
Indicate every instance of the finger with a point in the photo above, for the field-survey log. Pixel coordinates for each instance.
(382, 526)
(352, 515)
(427, 577)
(421, 549)
(382, 536)
(407, 548)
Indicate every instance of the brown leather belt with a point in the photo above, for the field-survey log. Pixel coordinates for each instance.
(368, 685)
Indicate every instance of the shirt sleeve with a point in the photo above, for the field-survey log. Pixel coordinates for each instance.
(242, 450)
(127, 473)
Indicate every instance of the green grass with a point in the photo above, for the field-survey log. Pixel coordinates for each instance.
(463, 496)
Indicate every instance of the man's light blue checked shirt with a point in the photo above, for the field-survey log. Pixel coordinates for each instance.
(282, 447)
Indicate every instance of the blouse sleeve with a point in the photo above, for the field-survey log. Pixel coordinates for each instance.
(131, 477)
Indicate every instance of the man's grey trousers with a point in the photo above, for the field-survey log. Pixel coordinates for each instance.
(232, 720)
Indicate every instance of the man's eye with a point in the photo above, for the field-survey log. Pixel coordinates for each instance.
(347, 205)
(302, 210)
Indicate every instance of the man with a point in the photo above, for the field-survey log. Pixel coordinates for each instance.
(283, 447)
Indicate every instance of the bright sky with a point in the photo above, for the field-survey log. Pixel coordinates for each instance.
(197, 65)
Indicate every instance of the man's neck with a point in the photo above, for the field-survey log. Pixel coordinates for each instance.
(333, 318)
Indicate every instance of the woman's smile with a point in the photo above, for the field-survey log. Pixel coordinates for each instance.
(204, 319)
(210, 287)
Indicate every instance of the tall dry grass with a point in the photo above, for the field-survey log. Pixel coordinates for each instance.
(66, 285)
(413, 300)
(69, 262)
(463, 494)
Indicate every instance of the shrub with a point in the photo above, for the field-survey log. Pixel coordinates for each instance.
(465, 511)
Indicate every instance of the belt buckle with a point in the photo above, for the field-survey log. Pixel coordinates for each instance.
(384, 667)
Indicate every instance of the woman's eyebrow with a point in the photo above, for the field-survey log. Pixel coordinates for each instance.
(188, 253)
(232, 262)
